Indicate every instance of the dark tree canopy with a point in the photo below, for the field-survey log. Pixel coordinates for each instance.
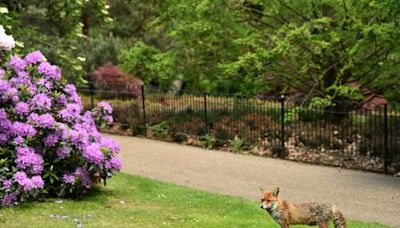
(331, 49)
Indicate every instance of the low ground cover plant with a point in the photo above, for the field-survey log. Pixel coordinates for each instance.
(48, 145)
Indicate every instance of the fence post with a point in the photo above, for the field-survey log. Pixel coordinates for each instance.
(144, 109)
(385, 148)
(282, 99)
(205, 113)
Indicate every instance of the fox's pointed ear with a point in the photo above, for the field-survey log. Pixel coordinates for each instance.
(276, 192)
(261, 189)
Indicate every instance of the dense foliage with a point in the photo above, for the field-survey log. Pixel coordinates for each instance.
(330, 49)
(48, 145)
(59, 28)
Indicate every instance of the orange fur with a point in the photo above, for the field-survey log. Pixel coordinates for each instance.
(286, 213)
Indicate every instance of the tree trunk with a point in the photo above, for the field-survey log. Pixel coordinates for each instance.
(339, 108)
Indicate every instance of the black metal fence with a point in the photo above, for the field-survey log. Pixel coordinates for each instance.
(353, 135)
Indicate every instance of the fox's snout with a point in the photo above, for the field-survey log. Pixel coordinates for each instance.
(267, 206)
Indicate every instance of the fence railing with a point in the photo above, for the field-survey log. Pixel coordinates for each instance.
(347, 134)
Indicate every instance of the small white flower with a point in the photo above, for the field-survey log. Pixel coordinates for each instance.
(81, 35)
(20, 44)
(2, 31)
(104, 11)
(7, 42)
(3, 10)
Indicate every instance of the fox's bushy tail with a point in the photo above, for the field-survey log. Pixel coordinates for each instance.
(338, 219)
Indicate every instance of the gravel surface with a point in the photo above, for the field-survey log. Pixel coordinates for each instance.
(361, 195)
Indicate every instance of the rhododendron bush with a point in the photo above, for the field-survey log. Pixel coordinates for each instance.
(48, 145)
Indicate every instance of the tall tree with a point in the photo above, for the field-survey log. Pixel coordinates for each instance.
(191, 39)
(327, 48)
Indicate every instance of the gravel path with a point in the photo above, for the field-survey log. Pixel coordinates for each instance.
(361, 195)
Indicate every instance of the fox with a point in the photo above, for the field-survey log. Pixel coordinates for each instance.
(285, 213)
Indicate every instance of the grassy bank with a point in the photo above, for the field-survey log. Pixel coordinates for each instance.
(131, 201)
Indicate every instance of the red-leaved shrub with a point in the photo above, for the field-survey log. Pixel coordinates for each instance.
(110, 77)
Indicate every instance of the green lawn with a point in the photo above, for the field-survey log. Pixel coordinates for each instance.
(131, 201)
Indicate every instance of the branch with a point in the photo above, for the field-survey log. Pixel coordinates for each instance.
(333, 64)
(259, 21)
(42, 42)
(365, 84)
(296, 12)
(376, 53)
(376, 77)
(284, 20)
(345, 9)
(356, 79)
(293, 79)
(342, 46)
(262, 13)
(347, 15)
(373, 66)
(313, 10)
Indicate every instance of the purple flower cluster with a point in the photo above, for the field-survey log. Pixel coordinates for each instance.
(17, 64)
(27, 183)
(103, 112)
(113, 163)
(41, 121)
(23, 129)
(29, 160)
(21, 108)
(34, 57)
(70, 112)
(79, 176)
(92, 153)
(63, 152)
(8, 199)
(7, 92)
(49, 71)
(68, 178)
(6, 184)
(110, 144)
(51, 140)
(41, 102)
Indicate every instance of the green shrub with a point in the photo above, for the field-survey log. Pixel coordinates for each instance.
(237, 144)
(208, 141)
(160, 129)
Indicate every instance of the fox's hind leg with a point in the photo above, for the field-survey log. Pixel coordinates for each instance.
(323, 224)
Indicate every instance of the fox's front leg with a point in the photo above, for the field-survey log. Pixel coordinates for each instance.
(323, 224)
(284, 224)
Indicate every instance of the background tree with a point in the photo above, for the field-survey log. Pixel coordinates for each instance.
(330, 49)
(192, 39)
(58, 28)
(327, 48)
